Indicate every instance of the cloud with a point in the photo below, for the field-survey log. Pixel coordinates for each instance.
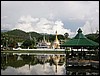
(87, 28)
(90, 27)
(3, 17)
(28, 19)
(41, 25)
(6, 26)
(72, 15)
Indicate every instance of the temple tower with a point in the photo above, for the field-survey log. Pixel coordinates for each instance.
(56, 43)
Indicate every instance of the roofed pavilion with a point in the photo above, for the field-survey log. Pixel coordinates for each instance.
(80, 41)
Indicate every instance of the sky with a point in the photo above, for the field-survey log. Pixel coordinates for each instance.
(49, 16)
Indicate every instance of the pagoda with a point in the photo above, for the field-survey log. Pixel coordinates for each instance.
(56, 43)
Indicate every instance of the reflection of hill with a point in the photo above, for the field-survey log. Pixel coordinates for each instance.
(3, 66)
(14, 61)
(16, 64)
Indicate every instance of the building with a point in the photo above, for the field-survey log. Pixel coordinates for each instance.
(43, 43)
(56, 43)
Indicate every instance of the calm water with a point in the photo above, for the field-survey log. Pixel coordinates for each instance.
(39, 65)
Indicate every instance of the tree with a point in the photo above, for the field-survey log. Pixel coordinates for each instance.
(66, 35)
(28, 43)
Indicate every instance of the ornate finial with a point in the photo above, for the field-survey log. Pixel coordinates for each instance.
(56, 32)
(79, 35)
(79, 30)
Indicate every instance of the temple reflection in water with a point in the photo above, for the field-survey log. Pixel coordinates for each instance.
(40, 65)
(47, 63)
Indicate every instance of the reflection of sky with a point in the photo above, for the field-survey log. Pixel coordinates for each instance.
(35, 70)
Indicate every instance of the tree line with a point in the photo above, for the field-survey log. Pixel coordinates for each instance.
(11, 38)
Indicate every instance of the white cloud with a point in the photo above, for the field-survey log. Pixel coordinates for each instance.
(33, 12)
(87, 28)
(41, 25)
(90, 27)
(6, 27)
(3, 17)
(28, 19)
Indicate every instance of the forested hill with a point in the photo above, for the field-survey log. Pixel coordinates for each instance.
(20, 35)
(17, 33)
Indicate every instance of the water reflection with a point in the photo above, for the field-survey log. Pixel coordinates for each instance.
(32, 65)
(18, 64)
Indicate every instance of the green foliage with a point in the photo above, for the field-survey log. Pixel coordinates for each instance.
(66, 35)
(11, 38)
(36, 35)
(20, 36)
(28, 43)
(94, 37)
(17, 32)
(60, 37)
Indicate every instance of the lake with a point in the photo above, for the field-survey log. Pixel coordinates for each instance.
(32, 64)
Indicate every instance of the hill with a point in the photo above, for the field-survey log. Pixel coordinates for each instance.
(11, 38)
(19, 35)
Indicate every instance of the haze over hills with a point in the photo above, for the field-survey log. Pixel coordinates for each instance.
(4, 30)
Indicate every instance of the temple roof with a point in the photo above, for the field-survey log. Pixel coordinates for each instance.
(79, 40)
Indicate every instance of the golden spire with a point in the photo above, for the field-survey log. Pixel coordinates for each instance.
(56, 42)
(56, 37)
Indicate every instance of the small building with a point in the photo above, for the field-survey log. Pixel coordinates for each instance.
(43, 43)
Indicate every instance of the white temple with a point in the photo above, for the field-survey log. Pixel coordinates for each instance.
(43, 43)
